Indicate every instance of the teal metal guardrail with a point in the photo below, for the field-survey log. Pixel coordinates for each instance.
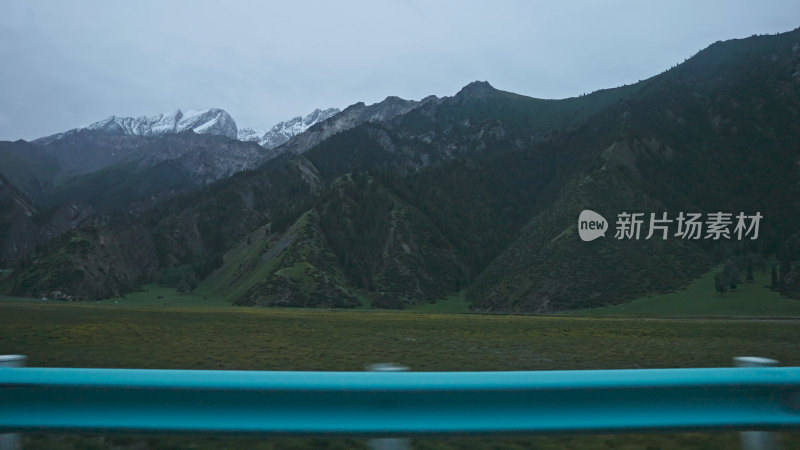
(397, 403)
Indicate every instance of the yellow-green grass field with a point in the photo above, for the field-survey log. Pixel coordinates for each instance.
(117, 335)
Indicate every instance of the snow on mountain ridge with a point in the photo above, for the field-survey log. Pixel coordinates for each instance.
(208, 121)
(249, 134)
(283, 131)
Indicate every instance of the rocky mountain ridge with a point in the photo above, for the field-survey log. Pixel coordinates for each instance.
(213, 121)
(281, 132)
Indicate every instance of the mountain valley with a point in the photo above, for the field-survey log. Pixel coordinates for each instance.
(404, 202)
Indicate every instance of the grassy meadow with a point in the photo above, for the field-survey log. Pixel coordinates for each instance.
(700, 299)
(159, 328)
(91, 335)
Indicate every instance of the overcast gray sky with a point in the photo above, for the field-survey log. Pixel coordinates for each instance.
(65, 64)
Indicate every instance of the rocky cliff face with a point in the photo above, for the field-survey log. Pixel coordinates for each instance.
(205, 158)
(23, 226)
(17, 235)
(351, 117)
(87, 264)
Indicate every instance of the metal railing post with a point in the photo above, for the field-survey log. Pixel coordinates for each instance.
(11, 441)
(757, 440)
(388, 443)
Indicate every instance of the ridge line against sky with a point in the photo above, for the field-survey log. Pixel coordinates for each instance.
(67, 64)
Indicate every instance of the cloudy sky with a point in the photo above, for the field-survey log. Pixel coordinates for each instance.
(67, 64)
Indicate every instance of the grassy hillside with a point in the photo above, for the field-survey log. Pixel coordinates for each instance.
(718, 133)
(386, 245)
(358, 237)
(452, 304)
(84, 264)
(751, 299)
(548, 268)
(296, 270)
(245, 264)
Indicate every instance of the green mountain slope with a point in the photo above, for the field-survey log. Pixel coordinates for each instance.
(386, 246)
(304, 273)
(357, 236)
(85, 264)
(123, 185)
(719, 133)
(547, 267)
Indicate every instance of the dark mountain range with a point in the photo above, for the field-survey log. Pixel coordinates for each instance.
(717, 133)
(213, 121)
(122, 166)
(142, 157)
(23, 226)
(93, 177)
(404, 202)
(136, 168)
(28, 167)
(16, 211)
(113, 170)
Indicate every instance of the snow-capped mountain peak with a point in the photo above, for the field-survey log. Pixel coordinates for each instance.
(206, 121)
(283, 131)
